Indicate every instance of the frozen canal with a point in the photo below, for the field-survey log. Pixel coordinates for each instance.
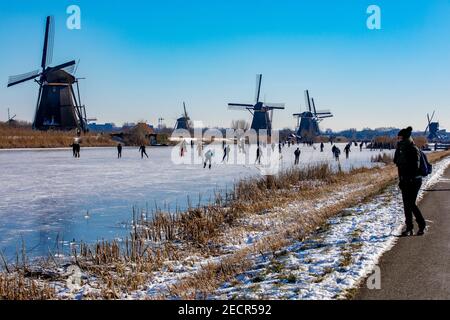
(46, 194)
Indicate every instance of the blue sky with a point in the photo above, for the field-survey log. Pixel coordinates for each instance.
(142, 59)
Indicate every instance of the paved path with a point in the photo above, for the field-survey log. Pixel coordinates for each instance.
(419, 267)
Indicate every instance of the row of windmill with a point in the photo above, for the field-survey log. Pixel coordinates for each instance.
(262, 115)
(59, 102)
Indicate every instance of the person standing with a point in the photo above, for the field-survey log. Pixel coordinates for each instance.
(208, 158)
(200, 148)
(258, 155)
(407, 158)
(336, 152)
(347, 150)
(183, 148)
(297, 156)
(119, 151)
(143, 152)
(226, 153)
(321, 146)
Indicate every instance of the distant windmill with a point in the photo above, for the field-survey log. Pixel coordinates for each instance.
(308, 121)
(262, 112)
(184, 121)
(11, 119)
(432, 128)
(57, 105)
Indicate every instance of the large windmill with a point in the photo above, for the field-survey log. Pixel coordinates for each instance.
(432, 129)
(58, 107)
(262, 112)
(308, 121)
(184, 122)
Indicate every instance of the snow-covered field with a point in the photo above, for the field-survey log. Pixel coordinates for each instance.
(46, 194)
(332, 260)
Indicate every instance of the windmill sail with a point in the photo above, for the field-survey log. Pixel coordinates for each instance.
(262, 112)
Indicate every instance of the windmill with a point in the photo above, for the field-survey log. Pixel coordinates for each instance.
(57, 105)
(184, 121)
(262, 112)
(308, 121)
(432, 128)
(11, 120)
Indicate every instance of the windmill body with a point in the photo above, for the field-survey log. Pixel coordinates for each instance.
(262, 112)
(308, 121)
(58, 107)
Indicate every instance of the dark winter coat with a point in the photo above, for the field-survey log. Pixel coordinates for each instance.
(407, 159)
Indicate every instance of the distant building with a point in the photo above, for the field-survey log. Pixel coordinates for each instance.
(106, 127)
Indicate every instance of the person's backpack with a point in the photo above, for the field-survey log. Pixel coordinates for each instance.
(425, 167)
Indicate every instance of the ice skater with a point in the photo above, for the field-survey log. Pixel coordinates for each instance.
(208, 158)
(258, 155)
(297, 156)
(200, 149)
(336, 153)
(321, 146)
(183, 148)
(226, 153)
(143, 152)
(119, 151)
(347, 150)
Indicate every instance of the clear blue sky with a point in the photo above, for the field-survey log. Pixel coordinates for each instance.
(143, 58)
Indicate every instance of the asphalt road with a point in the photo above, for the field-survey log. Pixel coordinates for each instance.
(419, 267)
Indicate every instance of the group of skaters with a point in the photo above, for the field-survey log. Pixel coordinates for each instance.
(207, 157)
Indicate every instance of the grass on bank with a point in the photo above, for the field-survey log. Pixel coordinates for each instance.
(13, 137)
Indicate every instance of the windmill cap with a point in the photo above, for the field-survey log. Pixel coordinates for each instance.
(405, 133)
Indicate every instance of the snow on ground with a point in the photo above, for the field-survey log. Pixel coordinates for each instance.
(332, 260)
(46, 194)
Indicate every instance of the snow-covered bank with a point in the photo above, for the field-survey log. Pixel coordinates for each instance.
(332, 260)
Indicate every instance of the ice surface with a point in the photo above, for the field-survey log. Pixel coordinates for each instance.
(46, 194)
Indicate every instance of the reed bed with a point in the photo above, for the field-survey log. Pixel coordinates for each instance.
(12, 137)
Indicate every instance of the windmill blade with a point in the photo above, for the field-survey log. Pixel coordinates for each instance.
(275, 105)
(47, 54)
(428, 124)
(240, 106)
(76, 68)
(432, 116)
(13, 80)
(307, 101)
(258, 87)
(69, 69)
(64, 65)
(325, 116)
(185, 112)
(323, 112)
(314, 105)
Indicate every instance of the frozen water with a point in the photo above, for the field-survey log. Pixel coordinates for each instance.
(46, 194)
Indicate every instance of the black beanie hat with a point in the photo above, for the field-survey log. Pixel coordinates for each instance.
(405, 133)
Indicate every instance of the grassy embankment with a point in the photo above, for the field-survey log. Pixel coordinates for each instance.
(208, 242)
(24, 137)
